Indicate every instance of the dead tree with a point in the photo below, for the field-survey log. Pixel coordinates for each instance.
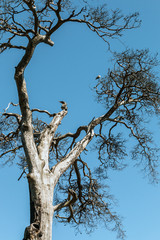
(52, 161)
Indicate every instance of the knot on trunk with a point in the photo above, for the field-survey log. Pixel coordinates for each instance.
(33, 232)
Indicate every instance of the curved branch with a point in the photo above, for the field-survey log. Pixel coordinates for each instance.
(43, 111)
(71, 157)
(17, 116)
(73, 135)
(68, 202)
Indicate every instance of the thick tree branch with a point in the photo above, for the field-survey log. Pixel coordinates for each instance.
(32, 7)
(47, 136)
(78, 181)
(71, 157)
(26, 124)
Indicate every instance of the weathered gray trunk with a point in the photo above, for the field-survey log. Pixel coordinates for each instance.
(41, 178)
(41, 190)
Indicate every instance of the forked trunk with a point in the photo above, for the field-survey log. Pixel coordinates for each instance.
(41, 208)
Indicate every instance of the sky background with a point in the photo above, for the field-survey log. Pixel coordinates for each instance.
(67, 72)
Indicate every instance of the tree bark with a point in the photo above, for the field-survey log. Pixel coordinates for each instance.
(41, 179)
(41, 188)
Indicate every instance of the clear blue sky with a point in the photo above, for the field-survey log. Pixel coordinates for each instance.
(66, 72)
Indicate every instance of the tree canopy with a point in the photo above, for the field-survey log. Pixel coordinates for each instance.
(129, 92)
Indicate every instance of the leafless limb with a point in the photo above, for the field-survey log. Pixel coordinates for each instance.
(13, 104)
(17, 116)
(43, 111)
(11, 151)
(22, 173)
(97, 19)
(69, 202)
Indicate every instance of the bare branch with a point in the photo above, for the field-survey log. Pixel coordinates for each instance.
(17, 116)
(71, 157)
(15, 105)
(68, 202)
(22, 173)
(47, 135)
(73, 135)
(43, 111)
(11, 151)
(32, 7)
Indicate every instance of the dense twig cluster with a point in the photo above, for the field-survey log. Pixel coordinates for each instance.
(132, 87)
(89, 202)
(45, 17)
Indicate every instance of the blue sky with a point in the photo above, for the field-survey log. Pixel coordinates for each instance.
(67, 72)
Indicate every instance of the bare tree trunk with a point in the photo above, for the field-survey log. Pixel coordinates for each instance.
(41, 207)
(40, 178)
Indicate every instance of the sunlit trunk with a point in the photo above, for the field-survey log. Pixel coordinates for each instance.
(41, 208)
